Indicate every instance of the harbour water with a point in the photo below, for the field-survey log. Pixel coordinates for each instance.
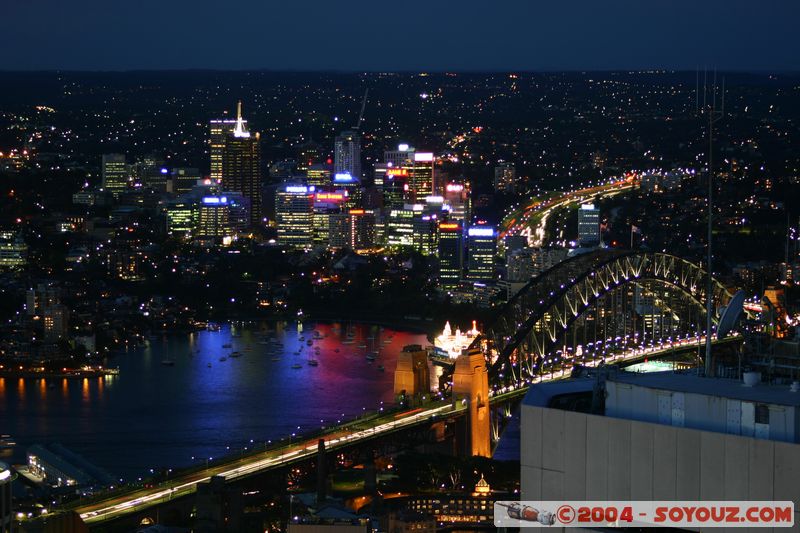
(184, 398)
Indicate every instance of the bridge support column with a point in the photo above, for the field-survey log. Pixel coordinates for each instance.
(322, 472)
(411, 376)
(471, 383)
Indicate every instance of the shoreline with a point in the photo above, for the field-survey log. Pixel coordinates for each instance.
(55, 374)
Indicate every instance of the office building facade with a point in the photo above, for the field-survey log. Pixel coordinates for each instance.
(241, 166)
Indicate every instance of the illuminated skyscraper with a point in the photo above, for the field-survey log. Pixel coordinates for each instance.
(362, 229)
(220, 128)
(400, 225)
(241, 166)
(181, 217)
(505, 177)
(351, 187)
(481, 249)
(183, 179)
(309, 154)
(451, 253)
(457, 196)
(403, 157)
(294, 215)
(588, 225)
(421, 180)
(347, 154)
(115, 173)
(221, 216)
(319, 176)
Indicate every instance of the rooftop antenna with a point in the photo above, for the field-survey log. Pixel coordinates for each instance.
(361, 114)
(714, 116)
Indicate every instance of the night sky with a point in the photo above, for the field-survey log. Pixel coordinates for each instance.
(467, 35)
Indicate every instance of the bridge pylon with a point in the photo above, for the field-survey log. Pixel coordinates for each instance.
(471, 383)
(411, 376)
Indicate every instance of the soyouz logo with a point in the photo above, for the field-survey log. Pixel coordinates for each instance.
(701, 514)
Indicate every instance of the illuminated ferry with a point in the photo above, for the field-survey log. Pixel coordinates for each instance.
(450, 344)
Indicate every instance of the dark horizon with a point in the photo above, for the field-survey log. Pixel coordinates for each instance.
(312, 35)
(710, 70)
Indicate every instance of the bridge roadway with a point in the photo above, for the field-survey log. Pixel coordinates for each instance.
(531, 220)
(118, 505)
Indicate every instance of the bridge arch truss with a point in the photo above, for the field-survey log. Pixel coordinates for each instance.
(594, 306)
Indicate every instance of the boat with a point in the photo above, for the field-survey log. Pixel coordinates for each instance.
(387, 341)
(276, 358)
(336, 350)
(223, 359)
(168, 362)
(227, 345)
(309, 342)
(6, 442)
(313, 362)
(348, 342)
(380, 367)
(362, 345)
(297, 365)
(370, 357)
(236, 354)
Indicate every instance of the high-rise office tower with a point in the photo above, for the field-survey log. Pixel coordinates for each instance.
(421, 180)
(588, 225)
(451, 253)
(362, 229)
(115, 173)
(183, 179)
(294, 215)
(403, 157)
(347, 154)
(481, 250)
(392, 182)
(309, 154)
(505, 177)
(221, 216)
(457, 197)
(339, 230)
(241, 166)
(220, 128)
(320, 176)
(400, 225)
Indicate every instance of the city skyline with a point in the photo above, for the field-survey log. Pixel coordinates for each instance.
(575, 35)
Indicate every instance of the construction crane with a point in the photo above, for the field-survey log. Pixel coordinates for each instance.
(361, 114)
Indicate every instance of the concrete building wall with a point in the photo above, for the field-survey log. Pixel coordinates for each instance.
(575, 456)
(700, 411)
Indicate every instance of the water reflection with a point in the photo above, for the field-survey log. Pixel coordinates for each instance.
(154, 415)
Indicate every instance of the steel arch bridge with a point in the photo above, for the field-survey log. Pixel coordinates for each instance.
(596, 305)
